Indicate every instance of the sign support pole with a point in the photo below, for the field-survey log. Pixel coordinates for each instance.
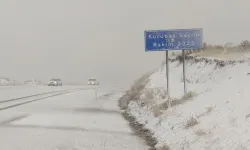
(184, 71)
(167, 75)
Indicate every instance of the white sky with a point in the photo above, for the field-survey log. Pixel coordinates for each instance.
(77, 39)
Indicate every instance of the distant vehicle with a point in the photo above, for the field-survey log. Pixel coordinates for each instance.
(55, 82)
(93, 81)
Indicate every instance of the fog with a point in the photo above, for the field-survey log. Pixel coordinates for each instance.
(77, 39)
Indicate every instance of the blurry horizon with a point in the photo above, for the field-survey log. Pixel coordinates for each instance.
(75, 40)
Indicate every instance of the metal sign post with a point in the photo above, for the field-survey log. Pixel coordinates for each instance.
(167, 75)
(176, 39)
(184, 71)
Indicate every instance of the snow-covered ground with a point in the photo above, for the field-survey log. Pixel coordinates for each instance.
(216, 118)
(73, 121)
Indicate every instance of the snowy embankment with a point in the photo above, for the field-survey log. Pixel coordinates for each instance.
(214, 114)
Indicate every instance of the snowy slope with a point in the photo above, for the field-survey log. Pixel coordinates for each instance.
(221, 108)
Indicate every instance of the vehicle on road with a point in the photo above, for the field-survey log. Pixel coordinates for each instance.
(55, 82)
(93, 81)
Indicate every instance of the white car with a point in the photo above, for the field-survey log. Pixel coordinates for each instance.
(93, 81)
(55, 82)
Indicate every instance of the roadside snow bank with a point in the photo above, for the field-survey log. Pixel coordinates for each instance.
(216, 118)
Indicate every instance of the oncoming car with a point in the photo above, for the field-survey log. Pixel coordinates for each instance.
(55, 82)
(93, 81)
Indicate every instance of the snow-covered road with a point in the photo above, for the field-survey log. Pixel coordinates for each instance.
(72, 121)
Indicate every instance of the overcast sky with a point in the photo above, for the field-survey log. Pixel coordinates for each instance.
(76, 39)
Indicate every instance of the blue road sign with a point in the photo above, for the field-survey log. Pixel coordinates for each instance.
(177, 39)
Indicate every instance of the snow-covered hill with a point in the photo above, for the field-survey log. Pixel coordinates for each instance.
(214, 115)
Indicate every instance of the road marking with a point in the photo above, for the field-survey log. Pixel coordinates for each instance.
(5, 122)
(37, 99)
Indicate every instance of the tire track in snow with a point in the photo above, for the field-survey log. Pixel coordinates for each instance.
(29, 99)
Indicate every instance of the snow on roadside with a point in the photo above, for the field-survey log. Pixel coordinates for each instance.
(221, 108)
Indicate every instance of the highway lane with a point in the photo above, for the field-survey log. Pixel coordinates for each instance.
(72, 121)
(7, 93)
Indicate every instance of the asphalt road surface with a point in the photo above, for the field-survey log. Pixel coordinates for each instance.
(64, 118)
